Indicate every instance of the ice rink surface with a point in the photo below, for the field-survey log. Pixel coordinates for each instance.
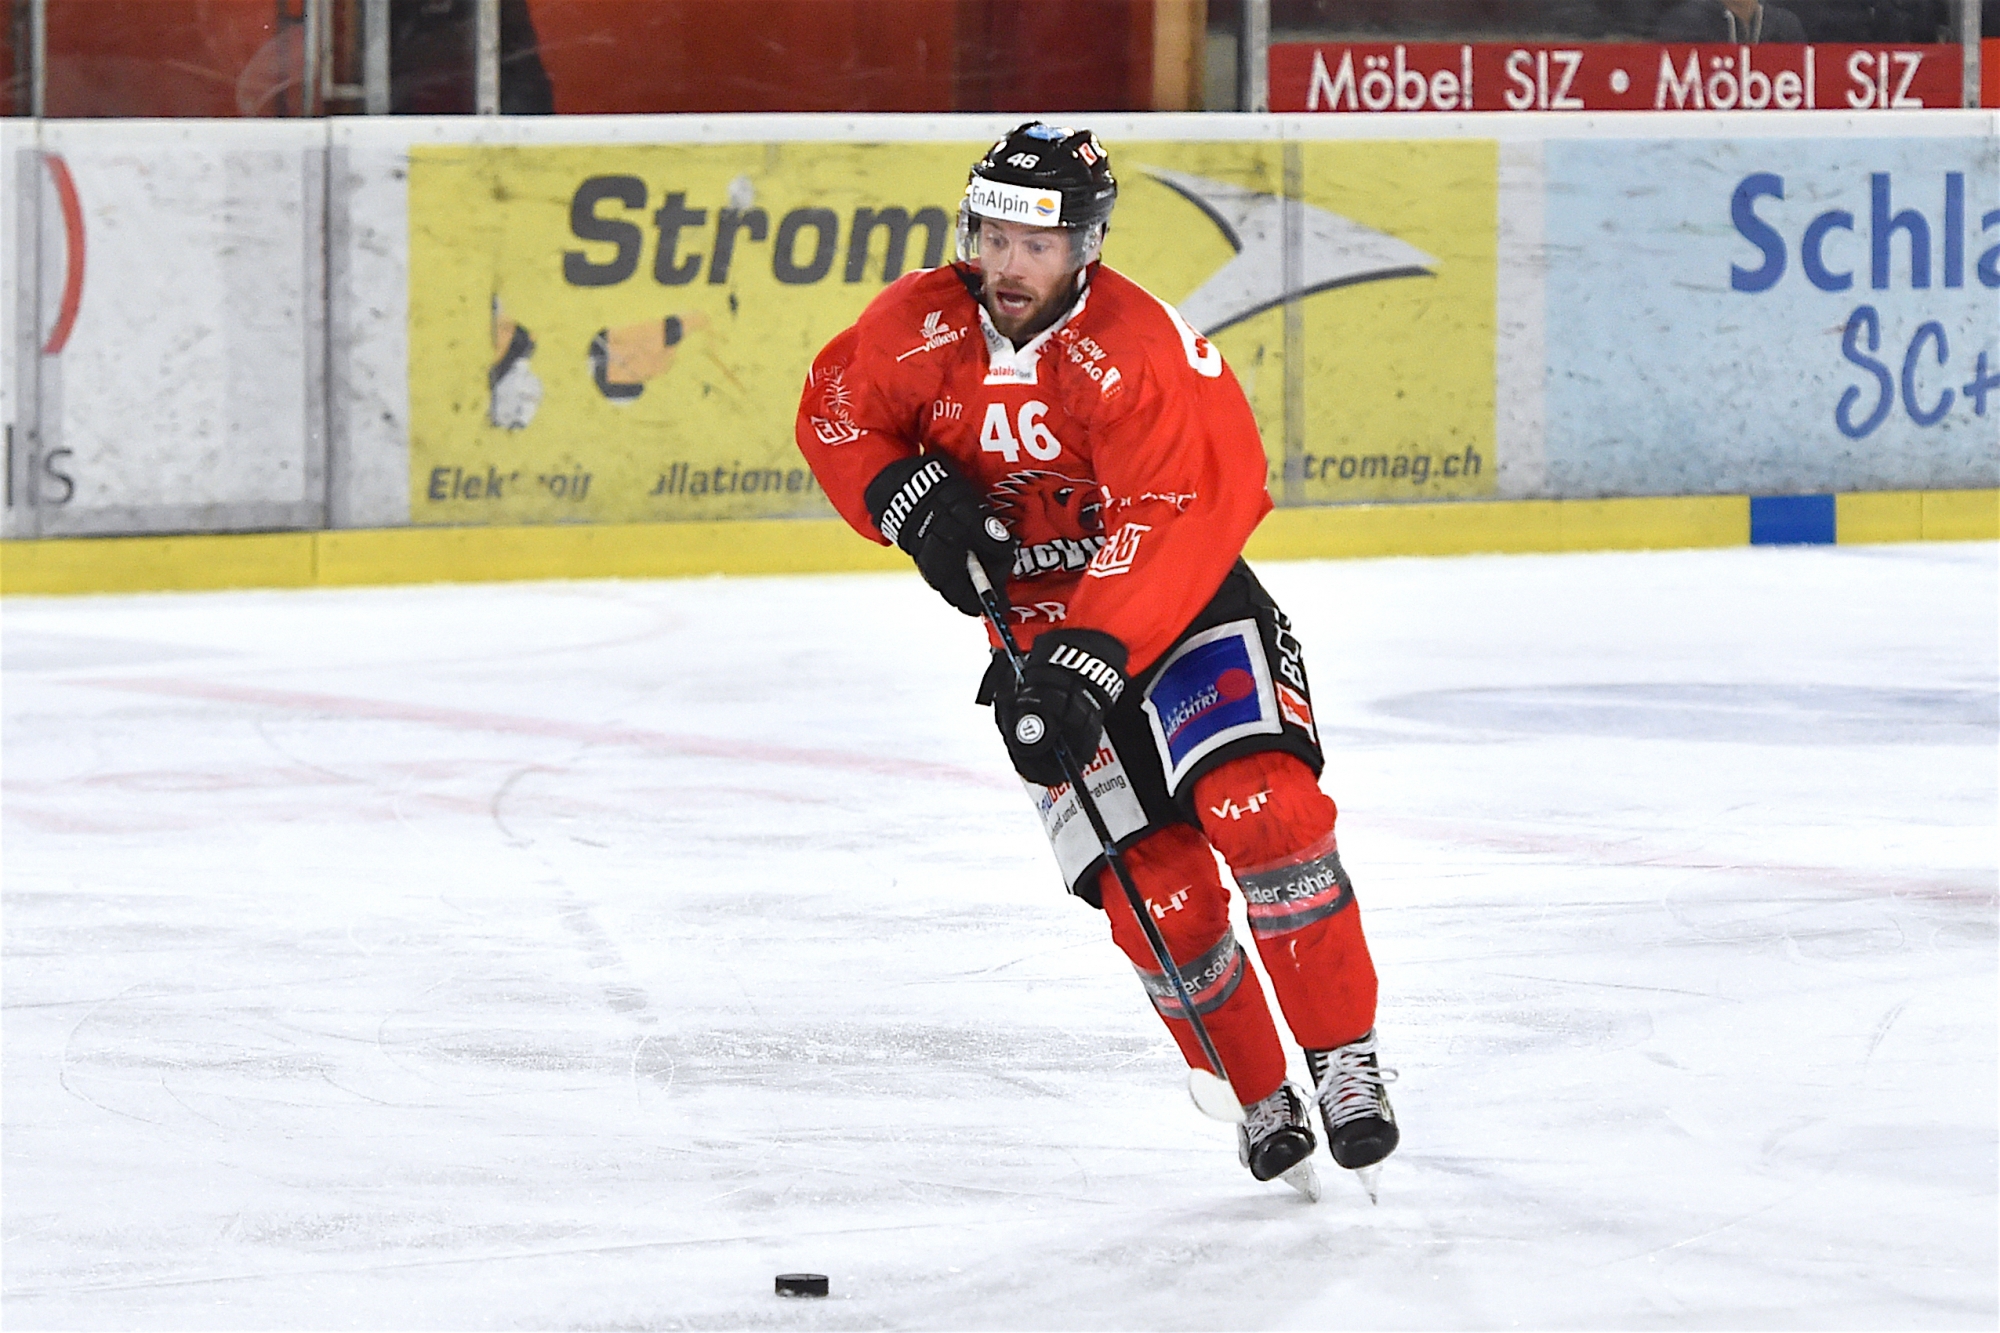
(582, 955)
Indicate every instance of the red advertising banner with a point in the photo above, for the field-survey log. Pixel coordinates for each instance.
(1506, 76)
(1989, 72)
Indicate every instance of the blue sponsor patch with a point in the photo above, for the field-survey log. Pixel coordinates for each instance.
(1207, 690)
(1213, 690)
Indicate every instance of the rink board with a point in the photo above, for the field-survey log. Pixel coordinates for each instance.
(1535, 307)
(753, 547)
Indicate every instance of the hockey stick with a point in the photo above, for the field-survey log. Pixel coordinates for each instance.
(1209, 1087)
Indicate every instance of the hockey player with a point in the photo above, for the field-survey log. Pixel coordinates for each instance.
(1044, 413)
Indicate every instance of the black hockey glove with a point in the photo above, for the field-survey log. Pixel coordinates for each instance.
(926, 507)
(1071, 677)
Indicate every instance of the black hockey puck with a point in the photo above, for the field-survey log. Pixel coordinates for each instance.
(802, 1284)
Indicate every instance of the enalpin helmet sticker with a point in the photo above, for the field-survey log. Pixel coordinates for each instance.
(1045, 176)
(1065, 162)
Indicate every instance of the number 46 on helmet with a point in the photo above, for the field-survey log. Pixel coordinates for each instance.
(1042, 176)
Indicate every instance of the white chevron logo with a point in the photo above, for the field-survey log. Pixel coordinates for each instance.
(1333, 252)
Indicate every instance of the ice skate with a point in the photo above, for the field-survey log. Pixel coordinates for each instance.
(1276, 1140)
(1354, 1104)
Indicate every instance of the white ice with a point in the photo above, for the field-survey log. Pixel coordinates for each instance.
(583, 955)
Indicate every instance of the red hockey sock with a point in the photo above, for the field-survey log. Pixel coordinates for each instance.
(1267, 816)
(1175, 872)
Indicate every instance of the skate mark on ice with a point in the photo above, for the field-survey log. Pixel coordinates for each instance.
(1710, 1232)
(1973, 888)
(642, 1078)
(498, 1257)
(1744, 713)
(680, 745)
(1613, 985)
(500, 795)
(66, 1065)
(620, 993)
(387, 1048)
(49, 651)
(263, 725)
(1882, 1029)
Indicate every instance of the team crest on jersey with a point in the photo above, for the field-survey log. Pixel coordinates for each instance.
(934, 335)
(1116, 556)
(837, 426)
(1059, 519)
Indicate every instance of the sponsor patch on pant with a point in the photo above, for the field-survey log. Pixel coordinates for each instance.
(1291, 898)
(1211, 979)
(1214, 689)
(1070, 834)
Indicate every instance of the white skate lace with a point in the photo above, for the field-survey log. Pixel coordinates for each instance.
(1353, 1084)
(1267, 1116)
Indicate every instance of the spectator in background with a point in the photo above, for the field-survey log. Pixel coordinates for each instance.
(1880, 20)
(432, 51)
(1911, 21)
(1744, 22)
(1840, 20)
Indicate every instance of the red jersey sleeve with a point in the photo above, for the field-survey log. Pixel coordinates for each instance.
(844, 453)
(1183, 471)
(861, 409)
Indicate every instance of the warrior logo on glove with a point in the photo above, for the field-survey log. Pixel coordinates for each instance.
(926, 506)
(1071, 679)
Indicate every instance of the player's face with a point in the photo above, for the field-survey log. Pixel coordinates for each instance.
(1030, 275)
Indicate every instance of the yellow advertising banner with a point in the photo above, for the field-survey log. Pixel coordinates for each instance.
(618, 333)
(1351, 287)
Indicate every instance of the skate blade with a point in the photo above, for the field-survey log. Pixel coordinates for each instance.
(1370, 1179)
(1303, 1179)
(1213, 1097)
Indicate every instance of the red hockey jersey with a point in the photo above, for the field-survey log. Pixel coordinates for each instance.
(1116, 445)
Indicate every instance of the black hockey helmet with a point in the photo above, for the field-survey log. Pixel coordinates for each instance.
(1044, 176)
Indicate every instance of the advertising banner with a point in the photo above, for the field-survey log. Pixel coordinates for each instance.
(1611, 76)
(1350, 286)
(167, 350)
(620, 332)
(1400, 370)
(1772, 315)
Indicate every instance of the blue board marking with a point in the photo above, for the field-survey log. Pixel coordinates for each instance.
(1791, 520)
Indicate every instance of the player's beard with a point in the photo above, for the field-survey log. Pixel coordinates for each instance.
(1019, 325)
